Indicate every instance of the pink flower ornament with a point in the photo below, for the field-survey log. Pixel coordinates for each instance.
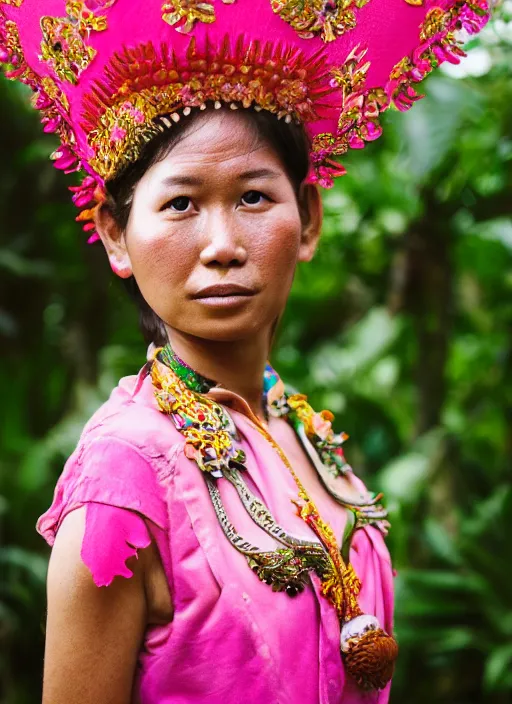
(321, 426)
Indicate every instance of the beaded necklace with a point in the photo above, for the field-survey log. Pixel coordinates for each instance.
(211, 441)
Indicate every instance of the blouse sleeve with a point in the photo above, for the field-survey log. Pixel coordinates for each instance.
(124, 504)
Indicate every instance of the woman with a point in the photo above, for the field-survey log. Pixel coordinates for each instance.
(215, 228)
(210, 543)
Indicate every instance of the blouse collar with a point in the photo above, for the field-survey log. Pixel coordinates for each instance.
(274, 393)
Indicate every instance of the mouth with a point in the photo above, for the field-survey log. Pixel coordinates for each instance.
(223, 291)
(224, 295)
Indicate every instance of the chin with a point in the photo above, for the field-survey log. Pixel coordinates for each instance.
(233, 328)
(224, 332)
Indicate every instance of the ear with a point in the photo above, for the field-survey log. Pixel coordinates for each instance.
(310, 205)
(114, 241)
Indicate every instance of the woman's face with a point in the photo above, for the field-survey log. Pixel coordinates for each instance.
(215, 233)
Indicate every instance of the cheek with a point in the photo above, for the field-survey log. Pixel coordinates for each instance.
(278, 243)
(161, 258)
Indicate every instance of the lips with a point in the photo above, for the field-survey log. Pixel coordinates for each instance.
(223, 291)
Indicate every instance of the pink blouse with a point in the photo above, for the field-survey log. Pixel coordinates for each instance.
(232, 639)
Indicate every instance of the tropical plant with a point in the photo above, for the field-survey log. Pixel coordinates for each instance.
(402, 326)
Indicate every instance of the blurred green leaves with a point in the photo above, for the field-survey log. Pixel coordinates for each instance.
(402, 325)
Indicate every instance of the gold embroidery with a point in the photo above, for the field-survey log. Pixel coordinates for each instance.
(438, 32)
(132, 106)
(368, 651)
(359, 116)
(183, 14)
(329, 18)
(63, 46)
(14, 3)
(54, 92)
(201, 420)
(358, 121)
(16, 66)
(12, 41)
(435, 21)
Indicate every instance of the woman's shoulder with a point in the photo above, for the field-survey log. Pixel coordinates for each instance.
(124, 456)
(131, 417)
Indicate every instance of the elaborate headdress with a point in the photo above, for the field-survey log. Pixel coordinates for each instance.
(108, 75)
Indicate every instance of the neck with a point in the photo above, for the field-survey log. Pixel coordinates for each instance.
(236, 365)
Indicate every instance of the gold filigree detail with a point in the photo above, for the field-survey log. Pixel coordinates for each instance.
(435, 21)
(201, 420)
(318, 428)
(13, 3)
(53, 91)
(54, 106)
(64, 45)
(147, 90)
(287, 569)
(439, 35)
(339, 582)
(329, 18)
(16, 68)
(415, 3)
(351, 77)
(368, 651)
(125, 127)
(183, 14)
(359, 115)
(12, 41)
(360, 109)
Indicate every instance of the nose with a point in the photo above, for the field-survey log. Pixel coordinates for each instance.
(223, 245)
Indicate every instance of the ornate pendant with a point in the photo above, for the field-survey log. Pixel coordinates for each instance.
(207, 429)
(328, 18)
(369, 653)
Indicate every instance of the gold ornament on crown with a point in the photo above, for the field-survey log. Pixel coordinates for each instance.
(64, 46)
(183, 14)
(147, 89)
(327, 18)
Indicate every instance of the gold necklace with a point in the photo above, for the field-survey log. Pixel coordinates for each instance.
(368, 651)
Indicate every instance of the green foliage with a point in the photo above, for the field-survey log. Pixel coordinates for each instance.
(402, 326)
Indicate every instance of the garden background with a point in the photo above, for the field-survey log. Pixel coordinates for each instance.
(402, 326)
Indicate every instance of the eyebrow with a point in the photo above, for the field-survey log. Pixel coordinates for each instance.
(195, 181)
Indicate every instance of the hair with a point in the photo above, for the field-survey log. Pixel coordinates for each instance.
(289, 141)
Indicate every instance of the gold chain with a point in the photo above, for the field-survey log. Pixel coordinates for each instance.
(368, 651)
(341, 585)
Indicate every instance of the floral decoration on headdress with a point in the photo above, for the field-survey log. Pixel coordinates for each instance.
(108, 77)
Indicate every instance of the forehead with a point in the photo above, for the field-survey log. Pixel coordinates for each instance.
(220, 139)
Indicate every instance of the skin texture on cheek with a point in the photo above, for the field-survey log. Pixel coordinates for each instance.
(228, 235)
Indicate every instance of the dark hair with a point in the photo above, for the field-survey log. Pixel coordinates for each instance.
(288, 140)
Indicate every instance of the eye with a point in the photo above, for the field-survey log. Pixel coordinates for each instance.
(254, 198)
(178, 205)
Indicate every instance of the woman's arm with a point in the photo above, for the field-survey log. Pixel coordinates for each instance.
(93, 633)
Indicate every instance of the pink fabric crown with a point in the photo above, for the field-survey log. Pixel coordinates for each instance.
(109, 75)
